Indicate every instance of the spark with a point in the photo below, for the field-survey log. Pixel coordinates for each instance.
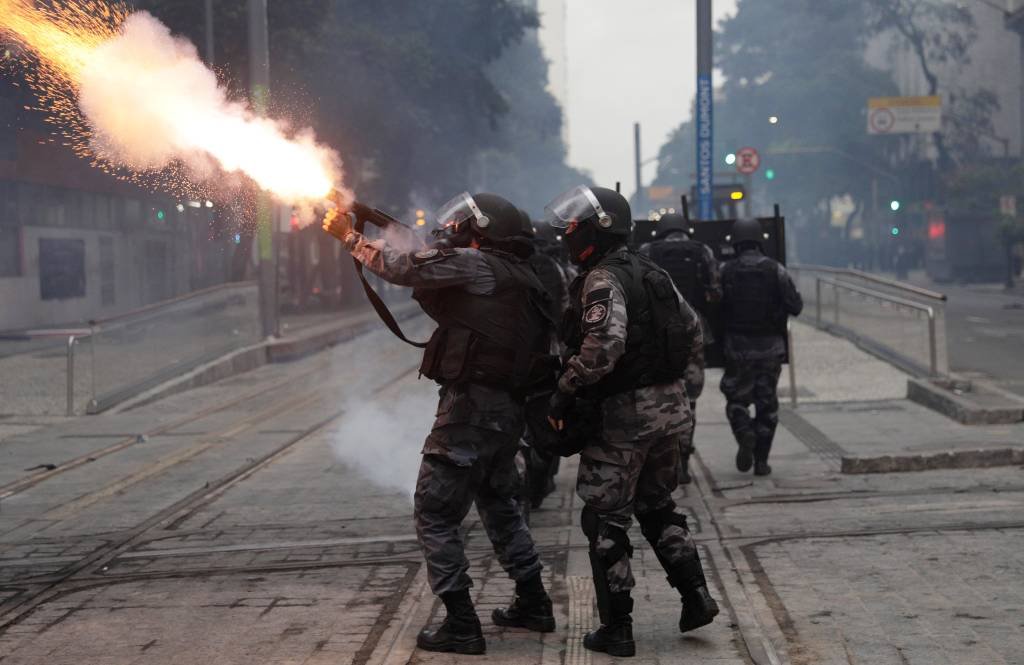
(140, 104)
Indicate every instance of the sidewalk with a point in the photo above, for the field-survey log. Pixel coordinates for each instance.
(267, 518)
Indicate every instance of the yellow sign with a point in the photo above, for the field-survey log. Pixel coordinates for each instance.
(904, 115)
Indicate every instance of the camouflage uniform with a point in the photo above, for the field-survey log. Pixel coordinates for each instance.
(469, 455)
(631, 469)
(753, 363)
(694, 378)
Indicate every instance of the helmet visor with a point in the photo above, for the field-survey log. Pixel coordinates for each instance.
(452, 215)
(576, 205)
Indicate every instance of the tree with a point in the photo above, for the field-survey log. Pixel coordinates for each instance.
(940, 35)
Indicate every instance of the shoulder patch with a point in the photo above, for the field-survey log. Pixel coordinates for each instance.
(431, 255)
(597, 295)
(596, 315)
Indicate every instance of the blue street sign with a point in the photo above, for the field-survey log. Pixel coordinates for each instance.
(705, 152)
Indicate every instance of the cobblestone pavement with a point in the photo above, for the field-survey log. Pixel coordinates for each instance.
(267, 519)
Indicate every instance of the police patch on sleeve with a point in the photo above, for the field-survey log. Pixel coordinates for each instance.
(431, 255)
(595, 315)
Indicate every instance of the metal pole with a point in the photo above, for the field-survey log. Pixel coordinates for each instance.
(259, 85)
(208, 14)
(640, 203)
(835, 289)
(792, 365)
(71, 376)
(817, 301)
(705, 114)
(933, 352)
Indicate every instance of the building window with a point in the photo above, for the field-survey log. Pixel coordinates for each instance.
(61, 268)
(10, 251)
(107, 270)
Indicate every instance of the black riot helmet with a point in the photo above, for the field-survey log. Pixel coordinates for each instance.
(671, 223)
(594, 220)
(746, 232)
(481, 216)
(527, 229)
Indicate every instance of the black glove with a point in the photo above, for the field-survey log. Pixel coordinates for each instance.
(558, 406)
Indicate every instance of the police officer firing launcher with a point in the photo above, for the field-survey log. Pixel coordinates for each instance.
(490, 348)
(694, 269)
(758, 297)
(630, 338)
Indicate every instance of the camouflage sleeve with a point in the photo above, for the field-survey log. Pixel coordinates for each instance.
(714, 276)
(604, 327)
(426, 268)
(792, 301)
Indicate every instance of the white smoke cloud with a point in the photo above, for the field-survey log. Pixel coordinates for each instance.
(382, 441)
(151, 101)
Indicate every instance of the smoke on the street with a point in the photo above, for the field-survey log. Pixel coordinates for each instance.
(382, 439)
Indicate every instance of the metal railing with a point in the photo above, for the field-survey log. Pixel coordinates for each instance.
(902, 322)
(42, 372)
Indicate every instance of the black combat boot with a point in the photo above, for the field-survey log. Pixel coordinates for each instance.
(460, 632)
(745, 453)
(616, 637)
(761, 450)
(530, 609)
(699, 608)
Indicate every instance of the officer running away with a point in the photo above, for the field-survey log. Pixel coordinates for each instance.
(629, 338)
(693, 267)
(758, 298)
(490, 347)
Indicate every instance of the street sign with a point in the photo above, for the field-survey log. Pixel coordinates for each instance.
(747, 161)
(904, 115)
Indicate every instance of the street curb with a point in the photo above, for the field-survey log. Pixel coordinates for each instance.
(960, 408)
(280, 350)
(955, 459)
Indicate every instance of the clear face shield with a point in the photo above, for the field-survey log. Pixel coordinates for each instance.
(572, 207)
(452, 217)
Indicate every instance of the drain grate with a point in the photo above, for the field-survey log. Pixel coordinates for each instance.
(812, 437)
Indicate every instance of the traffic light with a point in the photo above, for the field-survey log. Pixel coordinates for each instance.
(160, 215)
(769, 174)
(894, 231)
(894, 205)
(730, 159)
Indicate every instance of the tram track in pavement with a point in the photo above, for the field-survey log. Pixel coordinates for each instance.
(24, 601)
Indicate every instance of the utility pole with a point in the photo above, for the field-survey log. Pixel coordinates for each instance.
(640, 198)
(208, 15)
(259, 87)
(705, 114)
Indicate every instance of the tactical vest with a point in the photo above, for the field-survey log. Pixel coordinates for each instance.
(501, 339)
(657, 341)
(752, 303)
(550, 277)
(685, 262)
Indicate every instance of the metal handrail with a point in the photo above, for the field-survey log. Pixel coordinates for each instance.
(74, 335)
(869, 277)
(155, 308)
(928, 310)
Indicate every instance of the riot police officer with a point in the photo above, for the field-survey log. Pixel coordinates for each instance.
(490, 346)
(758, 297)
(630, 337)
(694, 269)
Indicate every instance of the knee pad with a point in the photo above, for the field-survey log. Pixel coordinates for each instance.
(653, 524)
(595, 528)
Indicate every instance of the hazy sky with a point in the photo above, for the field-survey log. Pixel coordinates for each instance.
(627, 62)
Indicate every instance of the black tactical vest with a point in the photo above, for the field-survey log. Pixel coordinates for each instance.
(550, 276)
(686, 263)
(657, 342)
(500, 340)
(752, 302)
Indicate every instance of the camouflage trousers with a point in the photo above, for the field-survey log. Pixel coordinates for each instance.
(752, 382)
(463, 465)
(619, 480)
